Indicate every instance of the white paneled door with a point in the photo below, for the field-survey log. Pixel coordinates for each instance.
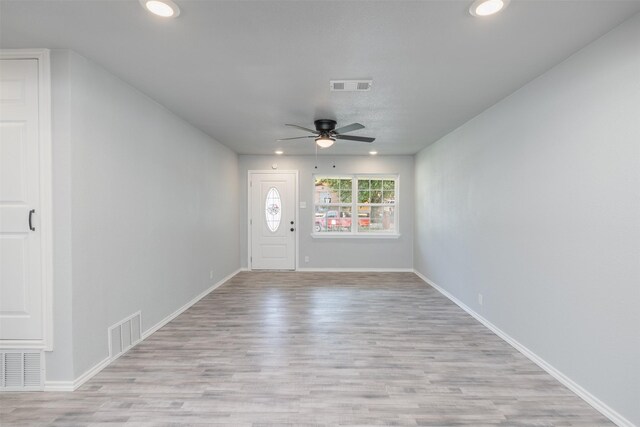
(272, 220)
(21, 296)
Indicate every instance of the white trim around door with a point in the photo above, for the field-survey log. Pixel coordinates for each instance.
(296, 212)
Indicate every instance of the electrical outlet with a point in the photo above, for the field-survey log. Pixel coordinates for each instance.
(480, 299)
(306, 259)
(211, 274)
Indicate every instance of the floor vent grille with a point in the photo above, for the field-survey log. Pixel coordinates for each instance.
(124, 335)
(21, 370)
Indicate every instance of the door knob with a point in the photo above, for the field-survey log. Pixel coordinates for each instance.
(292, 228)
(291, 222)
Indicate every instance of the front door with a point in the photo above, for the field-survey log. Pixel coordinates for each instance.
(272, 216)
(21, 308)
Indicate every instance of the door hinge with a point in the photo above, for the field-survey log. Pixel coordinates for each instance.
(250, 222)
(250, 183)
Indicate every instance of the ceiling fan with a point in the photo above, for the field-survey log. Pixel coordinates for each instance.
(326, 133)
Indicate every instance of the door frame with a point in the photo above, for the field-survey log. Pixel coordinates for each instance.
(296, 213)
(46, 221)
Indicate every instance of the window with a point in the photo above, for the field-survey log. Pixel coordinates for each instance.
(272, 211)
(355, 205)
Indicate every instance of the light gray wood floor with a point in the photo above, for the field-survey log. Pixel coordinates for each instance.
(315, 349)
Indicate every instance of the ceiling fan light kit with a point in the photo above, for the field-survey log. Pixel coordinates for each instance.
(325, 141)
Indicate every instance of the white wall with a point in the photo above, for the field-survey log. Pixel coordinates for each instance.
(339, 253)
(145, 206)
(535, 203)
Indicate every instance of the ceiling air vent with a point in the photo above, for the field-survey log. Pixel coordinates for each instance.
(350, 85)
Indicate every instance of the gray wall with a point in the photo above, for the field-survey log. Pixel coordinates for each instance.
(145, 206)
(342, 252)
(60, 362)
(535, 204)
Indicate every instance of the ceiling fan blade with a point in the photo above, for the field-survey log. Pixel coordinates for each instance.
(297, 137)
(304, 129)
(348, 128)
(355, 138)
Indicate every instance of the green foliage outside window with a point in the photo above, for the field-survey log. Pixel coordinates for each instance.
(339, 187)
(369, 190)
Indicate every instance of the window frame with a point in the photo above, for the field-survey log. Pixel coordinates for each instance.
(354, 205)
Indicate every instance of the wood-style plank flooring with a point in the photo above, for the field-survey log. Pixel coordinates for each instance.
(315, 349)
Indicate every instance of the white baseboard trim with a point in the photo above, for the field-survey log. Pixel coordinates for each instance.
(179, 311)
(91, 373)
(75, 384)
(596, 403)
(58, 386)
(358, 270)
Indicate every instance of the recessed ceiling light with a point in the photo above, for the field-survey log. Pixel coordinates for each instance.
(373, 153)
(164, 8)
(278, 152)
(487, 7)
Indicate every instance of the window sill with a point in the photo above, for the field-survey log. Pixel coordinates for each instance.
(355, 236)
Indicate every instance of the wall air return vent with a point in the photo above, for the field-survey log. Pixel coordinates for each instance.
(21, 370)
(350, 85)
(124, 335)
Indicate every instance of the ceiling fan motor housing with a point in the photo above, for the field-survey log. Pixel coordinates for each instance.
(325, 125)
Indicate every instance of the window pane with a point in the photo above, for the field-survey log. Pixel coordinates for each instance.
(332, 219)
(376, 184)
(327, 190)
(376, 196)
(364, 218)
(322, 192)
(363, 197)
(389, 196)
(363, 184)
(388, 185)
(381, 220)
(345, 196)
(332, 190)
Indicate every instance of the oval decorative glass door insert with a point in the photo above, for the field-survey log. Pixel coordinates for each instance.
(273, 209)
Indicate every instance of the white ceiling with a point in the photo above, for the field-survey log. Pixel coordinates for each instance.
(239, 70)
